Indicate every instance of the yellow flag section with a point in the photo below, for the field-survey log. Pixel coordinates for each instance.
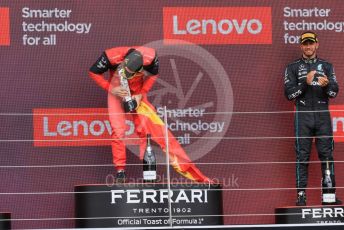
(179, 160)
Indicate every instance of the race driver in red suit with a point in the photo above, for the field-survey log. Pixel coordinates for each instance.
(141, 67)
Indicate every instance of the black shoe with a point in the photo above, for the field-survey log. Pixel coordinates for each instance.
(120, 177)
(301, 199)
(338, 202)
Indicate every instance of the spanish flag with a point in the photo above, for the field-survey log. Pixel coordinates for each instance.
(152, 124)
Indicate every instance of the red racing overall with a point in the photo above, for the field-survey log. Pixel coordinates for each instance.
(145, 119)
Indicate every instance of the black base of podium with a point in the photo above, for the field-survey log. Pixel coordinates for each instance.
(275, 227)
(5, 220)
(146, 205)
(310, 214)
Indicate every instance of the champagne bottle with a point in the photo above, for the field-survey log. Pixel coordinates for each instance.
(149, 163)
(328, 194)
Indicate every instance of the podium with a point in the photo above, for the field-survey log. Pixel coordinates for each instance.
(147, 205)
(5, 220)
(310, 214)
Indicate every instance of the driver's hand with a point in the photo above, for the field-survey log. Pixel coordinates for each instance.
(310, 77)
(138, 98)
(323, 81)
(119, 92)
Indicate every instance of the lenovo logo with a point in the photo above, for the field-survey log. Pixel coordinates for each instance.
(4, 26)
(75, 127)
(225, 25)
(337, 114)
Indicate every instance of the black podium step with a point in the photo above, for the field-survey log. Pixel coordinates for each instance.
(146, 205)
(5, 220)
(310, 214)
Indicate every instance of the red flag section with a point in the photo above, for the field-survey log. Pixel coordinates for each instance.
(178, 157)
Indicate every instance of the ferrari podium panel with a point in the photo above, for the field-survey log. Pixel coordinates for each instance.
(5, 220)
(310, 214)
(147, 204)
